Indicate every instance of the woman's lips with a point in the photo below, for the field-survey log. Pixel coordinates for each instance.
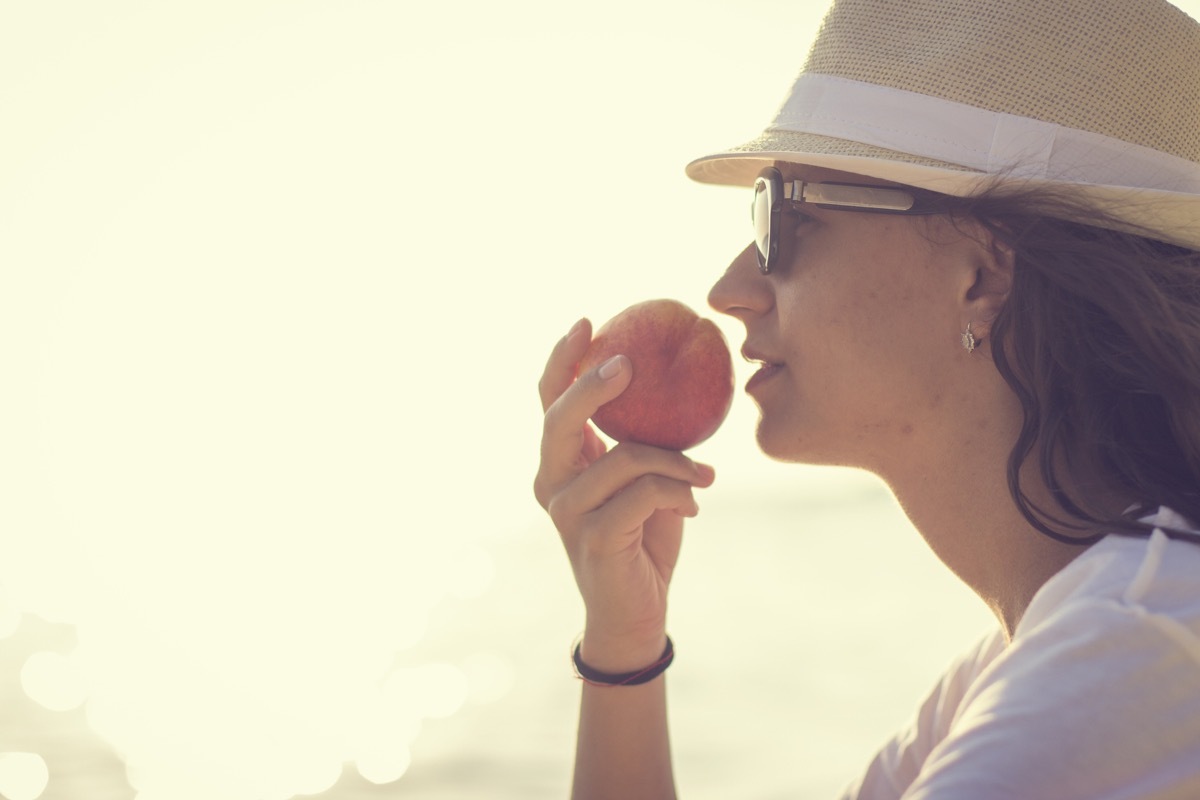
(767, 368)
(766, 371)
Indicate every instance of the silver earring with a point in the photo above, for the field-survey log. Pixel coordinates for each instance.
(968, 339)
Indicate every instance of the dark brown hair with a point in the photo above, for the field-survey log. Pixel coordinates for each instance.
(1100, 340)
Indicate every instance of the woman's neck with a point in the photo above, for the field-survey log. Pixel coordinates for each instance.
(962, 507)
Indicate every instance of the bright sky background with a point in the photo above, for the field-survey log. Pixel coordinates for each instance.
(277, 280)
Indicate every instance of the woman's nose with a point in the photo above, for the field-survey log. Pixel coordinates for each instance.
(743, 290)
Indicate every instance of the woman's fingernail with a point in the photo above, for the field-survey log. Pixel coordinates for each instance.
(576, 328)
(705, 472)
(610, 368)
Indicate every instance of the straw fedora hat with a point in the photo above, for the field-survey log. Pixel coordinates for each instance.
(1102, 96)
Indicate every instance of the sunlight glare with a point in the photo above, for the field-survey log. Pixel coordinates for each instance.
(281, 401)
(472, 573)
(489, 677)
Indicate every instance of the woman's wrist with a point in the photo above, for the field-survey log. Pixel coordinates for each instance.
(618, 655)
(635, 677)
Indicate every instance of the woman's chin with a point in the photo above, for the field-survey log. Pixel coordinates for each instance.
(781, 445)
(794, 447)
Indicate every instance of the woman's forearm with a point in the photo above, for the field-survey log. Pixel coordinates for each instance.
(623, 750)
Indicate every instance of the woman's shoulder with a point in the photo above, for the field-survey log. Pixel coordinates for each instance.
(1097, 693)
(1123, 583)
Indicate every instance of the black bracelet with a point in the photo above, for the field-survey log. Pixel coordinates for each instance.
(644, 675)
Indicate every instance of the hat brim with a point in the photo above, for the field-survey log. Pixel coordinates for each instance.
(1172, 216)
(739, 166)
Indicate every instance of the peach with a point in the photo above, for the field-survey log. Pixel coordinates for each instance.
(682, 383)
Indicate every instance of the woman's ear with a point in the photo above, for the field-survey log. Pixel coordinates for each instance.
(987, 277)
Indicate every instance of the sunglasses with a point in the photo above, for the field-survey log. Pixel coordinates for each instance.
(771, 191)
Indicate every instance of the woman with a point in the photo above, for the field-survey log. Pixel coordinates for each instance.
(976, 273)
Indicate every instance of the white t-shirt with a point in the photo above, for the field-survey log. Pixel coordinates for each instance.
(1097, 697)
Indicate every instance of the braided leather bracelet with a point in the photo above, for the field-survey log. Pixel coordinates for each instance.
(644, 675)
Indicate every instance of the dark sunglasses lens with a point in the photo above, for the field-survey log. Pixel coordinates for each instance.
(760, 213)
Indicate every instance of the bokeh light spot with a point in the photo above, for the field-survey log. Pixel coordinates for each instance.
(317, 776)
(384, 764)
(23, 776)
(53, 681)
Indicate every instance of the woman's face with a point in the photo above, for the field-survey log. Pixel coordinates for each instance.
(859, 328)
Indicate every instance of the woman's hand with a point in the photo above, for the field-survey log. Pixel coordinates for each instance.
(619, 512)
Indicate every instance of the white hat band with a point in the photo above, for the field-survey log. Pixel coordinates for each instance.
(976, 138)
